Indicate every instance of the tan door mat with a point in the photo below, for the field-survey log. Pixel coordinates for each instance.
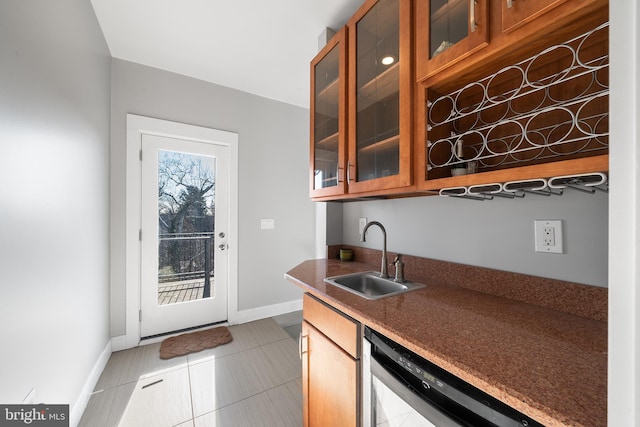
(194, 342)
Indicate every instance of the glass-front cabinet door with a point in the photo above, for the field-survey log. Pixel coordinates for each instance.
(328, 119)
(516, 13)
(448, 31)
(380, 90)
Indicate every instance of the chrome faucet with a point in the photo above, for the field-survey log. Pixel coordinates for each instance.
(383, 269)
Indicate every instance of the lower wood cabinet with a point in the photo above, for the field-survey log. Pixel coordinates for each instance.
(330, 350)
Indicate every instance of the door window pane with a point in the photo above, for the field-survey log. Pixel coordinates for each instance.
(186, 227)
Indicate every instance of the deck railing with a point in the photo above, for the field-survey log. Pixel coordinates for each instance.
(186, 256)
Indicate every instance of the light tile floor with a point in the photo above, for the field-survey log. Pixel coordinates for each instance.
(255, 380)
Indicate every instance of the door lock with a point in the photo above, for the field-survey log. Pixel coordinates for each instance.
(221, 235)
(222, 247)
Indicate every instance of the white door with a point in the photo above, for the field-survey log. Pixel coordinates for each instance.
(184, 234)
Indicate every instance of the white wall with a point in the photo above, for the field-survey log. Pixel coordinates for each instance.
(54, 195)
(624, 258)
(494, 233)
(273, 155)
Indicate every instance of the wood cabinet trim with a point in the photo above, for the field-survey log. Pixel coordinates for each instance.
(341, 329)
(404, 178)
(476, 40)
(330, 382)
(339, 40)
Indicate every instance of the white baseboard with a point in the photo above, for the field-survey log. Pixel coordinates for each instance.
(124, 342)
(80, 405)
(119, 343)
(244, 316)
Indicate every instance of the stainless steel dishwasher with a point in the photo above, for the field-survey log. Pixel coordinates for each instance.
(400, 388)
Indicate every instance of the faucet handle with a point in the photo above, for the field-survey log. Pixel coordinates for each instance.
(399, 269)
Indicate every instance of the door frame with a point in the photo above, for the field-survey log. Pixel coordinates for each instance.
(136, 127)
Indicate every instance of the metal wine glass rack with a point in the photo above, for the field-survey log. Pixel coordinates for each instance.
(535, 115)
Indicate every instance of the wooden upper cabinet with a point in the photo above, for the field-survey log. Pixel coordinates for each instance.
(380, 96)
(519, 12)
(540, 116)
(434, 88)
(328, 119)
(465, 39)
(448, 31)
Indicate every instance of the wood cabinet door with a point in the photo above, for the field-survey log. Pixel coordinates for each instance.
(380, 95)
(518, 12)
(448, 31)
(329, 382)
(329, 119)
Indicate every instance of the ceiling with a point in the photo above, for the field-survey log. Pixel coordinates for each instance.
(257, 46)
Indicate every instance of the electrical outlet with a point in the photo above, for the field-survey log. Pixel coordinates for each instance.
(362, 223)
(548, 236)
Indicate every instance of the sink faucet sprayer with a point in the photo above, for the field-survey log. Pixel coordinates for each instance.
(383, 269)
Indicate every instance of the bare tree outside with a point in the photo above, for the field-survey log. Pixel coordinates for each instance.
(186, 213)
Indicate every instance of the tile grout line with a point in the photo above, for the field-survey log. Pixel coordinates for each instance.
(259, 347)
(245, 398)
(139, 361)
(193, 414)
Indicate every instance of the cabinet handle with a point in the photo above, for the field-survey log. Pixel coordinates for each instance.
(472, 15)
(301, 348)
(348, 171)
(509, 4)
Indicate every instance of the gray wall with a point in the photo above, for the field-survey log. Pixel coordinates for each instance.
(273, 153)
(54, 170)
(496, 234)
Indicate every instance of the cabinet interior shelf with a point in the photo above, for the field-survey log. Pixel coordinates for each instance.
(445, 9)
(380, 87)
(327, 99)
(380, 145)
(330, 179)
(329, 143)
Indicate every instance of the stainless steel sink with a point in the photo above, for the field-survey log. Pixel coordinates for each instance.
(370, 285)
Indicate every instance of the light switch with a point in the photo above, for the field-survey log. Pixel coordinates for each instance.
(267, 224)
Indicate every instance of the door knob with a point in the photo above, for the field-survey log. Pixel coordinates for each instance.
(222, 247)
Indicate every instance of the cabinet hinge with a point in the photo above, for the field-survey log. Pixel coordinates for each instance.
(140, 155)
(140, 235)
(140, 315)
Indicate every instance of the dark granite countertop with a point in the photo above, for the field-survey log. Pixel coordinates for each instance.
(547, 363)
